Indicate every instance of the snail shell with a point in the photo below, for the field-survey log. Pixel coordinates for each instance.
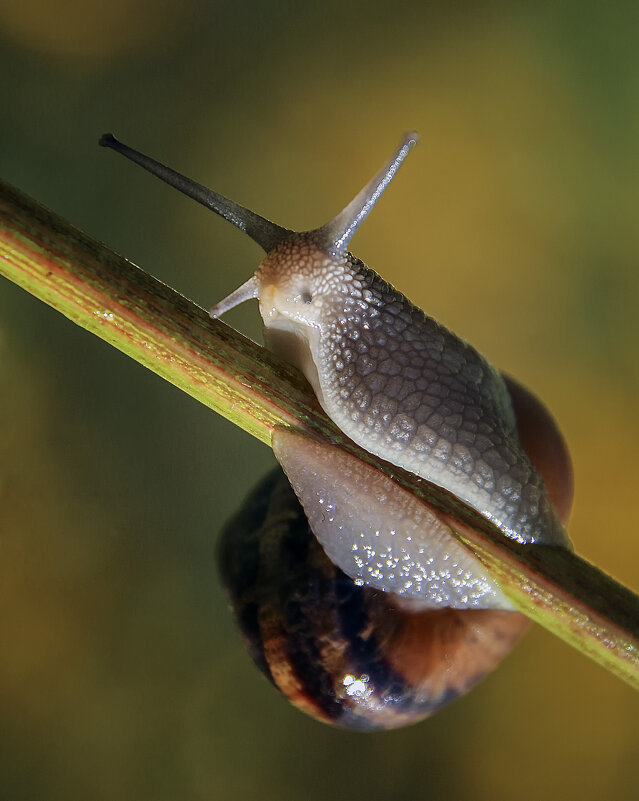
(348, 655)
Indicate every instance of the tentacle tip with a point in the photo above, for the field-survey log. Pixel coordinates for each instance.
(411, 138)
(107, 140)
(248, 290)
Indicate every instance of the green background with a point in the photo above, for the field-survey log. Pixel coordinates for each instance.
(514, 222)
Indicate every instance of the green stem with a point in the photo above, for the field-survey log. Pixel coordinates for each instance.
(167, 333)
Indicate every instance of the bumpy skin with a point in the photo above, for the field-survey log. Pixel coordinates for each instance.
(402, 386)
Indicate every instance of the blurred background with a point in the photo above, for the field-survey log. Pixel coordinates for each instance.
(514, 222)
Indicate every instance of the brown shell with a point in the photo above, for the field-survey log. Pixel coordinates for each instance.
(347, 655)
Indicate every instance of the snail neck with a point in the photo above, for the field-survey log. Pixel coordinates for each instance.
(296, 346)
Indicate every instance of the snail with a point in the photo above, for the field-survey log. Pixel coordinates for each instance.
(407, 390)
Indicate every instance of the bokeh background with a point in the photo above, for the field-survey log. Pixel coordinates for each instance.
(514, 222)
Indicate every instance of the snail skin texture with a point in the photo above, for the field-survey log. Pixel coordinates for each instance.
(406, 389)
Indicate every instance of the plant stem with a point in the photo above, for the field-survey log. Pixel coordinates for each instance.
(169, 334)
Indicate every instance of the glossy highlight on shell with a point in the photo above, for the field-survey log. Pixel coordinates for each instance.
(347, 655)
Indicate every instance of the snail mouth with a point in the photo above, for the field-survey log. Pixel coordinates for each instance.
(295, 344)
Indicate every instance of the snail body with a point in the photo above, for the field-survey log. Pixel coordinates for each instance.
(407, 390)
(379, 534)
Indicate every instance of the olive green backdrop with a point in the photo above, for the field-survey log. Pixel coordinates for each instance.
(514, 222)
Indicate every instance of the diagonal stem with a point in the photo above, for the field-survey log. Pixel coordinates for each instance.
(169, 334)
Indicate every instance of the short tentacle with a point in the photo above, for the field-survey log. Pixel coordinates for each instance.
(250, 289)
